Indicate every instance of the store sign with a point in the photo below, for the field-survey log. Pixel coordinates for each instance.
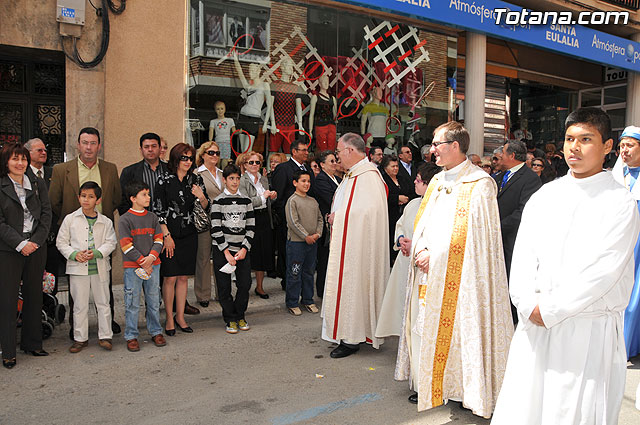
(614, 74)
(479, 16)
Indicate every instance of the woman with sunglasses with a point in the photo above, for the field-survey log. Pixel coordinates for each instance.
(324, 188)
(255, 186)
(207, 160)
(543, 169)
(175, 196)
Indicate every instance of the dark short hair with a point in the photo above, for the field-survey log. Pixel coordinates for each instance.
(296, 144)
(322, 157)
(594, 117)
(91, 185)
(298, 173)
(386, 159)
(149, 136)
(454, 131)
(8, 150)
(517, 147)
(231, 169)
(134, 187)
(176, 152)
(373, 149)
(427, 170)
(89, 130)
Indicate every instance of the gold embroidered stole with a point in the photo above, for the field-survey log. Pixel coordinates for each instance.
(451, 289)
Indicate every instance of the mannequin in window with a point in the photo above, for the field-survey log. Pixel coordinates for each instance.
(256, 95)
(390, 148)
(374, 119)
(322, 117)
(221, 129)
(287, 107)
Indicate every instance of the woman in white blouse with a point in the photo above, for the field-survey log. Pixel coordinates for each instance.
(255, 186)
(207, 159)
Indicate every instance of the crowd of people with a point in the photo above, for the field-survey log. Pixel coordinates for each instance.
(445, 252)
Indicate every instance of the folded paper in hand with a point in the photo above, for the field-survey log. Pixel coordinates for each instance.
(228, 268)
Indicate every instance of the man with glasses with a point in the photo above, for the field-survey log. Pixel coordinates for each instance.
(375, 155)
(282, 183)
(516, 183)
(457, 324)
(148, 170)
(67, 179)
(38, 153)
(358, 267)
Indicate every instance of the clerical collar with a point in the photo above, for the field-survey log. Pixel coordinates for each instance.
(452, 173)
(357, 164)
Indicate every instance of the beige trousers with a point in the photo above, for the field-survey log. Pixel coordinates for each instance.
(204, 277)
(80, 287)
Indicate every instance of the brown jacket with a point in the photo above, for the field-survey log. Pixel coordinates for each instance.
(63, 191)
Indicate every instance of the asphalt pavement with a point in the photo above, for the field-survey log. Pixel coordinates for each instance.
(277, 373)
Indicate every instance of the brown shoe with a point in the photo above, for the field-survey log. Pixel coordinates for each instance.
(189, 309)
(159, 340)
(78, 346)
(106, 344)
(132, 345)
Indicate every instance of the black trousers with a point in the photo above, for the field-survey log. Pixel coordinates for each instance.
(16, 267)
(281, 246)
(321, 265)
(232, 310)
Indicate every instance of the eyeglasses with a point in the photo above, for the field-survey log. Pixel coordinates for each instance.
(331, 161)
(301, 150)
(41, 150)
(495, 158)
(92, 143)
(340, 150)
(186, 158)
(213, 153)
(436, 144)
(253, 162)
(537, 165)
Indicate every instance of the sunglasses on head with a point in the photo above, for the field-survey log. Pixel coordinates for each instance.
(253, 162)
(213, 153)
(186, 158)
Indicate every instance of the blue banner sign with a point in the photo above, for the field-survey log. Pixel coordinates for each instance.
(480, 16)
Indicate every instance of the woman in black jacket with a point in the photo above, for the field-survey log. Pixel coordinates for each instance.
(325, 186)
(25, 218)
(400, 192)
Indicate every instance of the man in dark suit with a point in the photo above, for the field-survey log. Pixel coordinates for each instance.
(516, 183)
(148, 170)
(407, 170)
(38, 153)
(65, 183)
(282, 182)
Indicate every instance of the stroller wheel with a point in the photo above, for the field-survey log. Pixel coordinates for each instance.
(60, 313)
(47, 329)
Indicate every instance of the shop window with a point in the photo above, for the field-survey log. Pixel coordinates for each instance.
(230, 27)
(591, 98)
(617, 94)
(314, 73)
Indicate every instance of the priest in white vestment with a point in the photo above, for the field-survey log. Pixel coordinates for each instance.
(358, 267)
(458, 324)
(570, 283)
(392, 311)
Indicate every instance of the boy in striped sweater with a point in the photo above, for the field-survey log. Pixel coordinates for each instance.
(141, 243)
(232, 229)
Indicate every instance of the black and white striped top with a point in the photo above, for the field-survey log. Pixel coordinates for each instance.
(232, 222)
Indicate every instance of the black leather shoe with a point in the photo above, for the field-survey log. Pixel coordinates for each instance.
(115, 328)
(189, 309)
(342, 351)
(187, 329)
(263, 296)
(413, 398)
(9, 363)
(204, 304)
(37, 353)
(169, 332)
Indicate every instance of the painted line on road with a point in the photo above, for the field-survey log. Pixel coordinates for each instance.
(304, 415)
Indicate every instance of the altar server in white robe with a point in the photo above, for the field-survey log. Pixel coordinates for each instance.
(391, 313)
(458, 324)
(570, 283)
(358, 268)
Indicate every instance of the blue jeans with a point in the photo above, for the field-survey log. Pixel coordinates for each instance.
(301, 264)
(132, 287)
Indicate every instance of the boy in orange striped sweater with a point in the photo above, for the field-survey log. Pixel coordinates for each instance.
(141, 243)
